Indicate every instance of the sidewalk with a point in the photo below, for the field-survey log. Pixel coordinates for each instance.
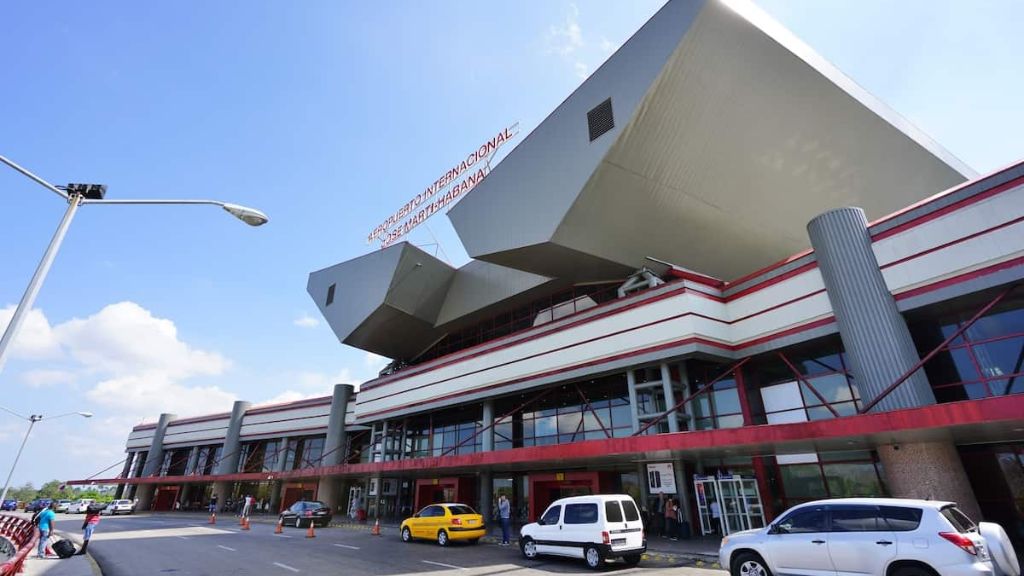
(53, 566)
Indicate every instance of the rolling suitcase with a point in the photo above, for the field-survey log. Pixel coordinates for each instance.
(64, 548)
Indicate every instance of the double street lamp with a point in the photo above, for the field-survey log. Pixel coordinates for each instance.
(90, 194)
(32, 419)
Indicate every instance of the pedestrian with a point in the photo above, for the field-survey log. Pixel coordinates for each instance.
(45, 521)
(716, 517)
(680, 522)
(505, 513)
(213, 504)
(246, 505)
(670, 520)
(92, 518)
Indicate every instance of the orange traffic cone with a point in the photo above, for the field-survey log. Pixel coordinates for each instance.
(280, 526)
(241, 520)
(213, 517)
(376, 528)
(245, 523)
(49, 551)
(310, 533)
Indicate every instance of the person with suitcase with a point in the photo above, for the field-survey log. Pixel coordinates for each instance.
(92, 518)
(45, 522)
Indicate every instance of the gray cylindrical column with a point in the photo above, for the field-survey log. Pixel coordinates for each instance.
(486, 496)
(670, 398)
(334, 448)
(634, 406)
(875, 336)
(156, 446)
(230, 453)
(487, 436)
(193, 460)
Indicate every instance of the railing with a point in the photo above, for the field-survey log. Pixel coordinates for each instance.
(23, 534)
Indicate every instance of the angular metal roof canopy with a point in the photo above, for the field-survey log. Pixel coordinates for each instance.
(729, 136)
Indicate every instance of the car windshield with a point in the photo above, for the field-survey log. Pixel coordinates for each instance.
(315, 505)
(460, 509)
(958, 519)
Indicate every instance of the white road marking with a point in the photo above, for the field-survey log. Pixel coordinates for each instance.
(282, 535)
(347, 546)
(443, 564)
(285, 566)
(182, 537)
(226, 548)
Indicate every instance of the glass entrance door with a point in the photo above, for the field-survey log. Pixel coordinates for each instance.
(727, 504)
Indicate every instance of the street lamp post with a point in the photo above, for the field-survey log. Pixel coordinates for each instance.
(78, 195)
(32, 419)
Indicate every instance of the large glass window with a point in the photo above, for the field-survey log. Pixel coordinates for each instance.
(986, 360)
(716, 408)
(829, 475)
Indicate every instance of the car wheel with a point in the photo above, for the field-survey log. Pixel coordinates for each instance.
(406, 535)
(593, 557)
(632, 559)
(442, 538)
(749, 564)
(529, 548)
(298, 522)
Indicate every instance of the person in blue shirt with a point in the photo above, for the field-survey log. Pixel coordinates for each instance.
(45, 519)
(505, 513)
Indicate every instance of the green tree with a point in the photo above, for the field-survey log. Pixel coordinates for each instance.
(51, 490)
(25, 493)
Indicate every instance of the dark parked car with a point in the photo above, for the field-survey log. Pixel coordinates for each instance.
(38, 504)
(9, 505)
(304, 512)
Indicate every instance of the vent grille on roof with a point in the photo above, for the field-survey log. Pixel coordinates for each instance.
(600, 119)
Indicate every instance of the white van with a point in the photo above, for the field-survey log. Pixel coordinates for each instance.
(594, 528)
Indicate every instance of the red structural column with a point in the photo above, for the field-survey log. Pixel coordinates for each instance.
(760, 470)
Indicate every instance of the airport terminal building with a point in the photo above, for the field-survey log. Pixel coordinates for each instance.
(719, 271)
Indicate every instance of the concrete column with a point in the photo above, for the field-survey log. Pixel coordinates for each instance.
(229, 453)
(384, 441)
(880, 349)
(156, 446)
(487, 436)
(670, 398)
(687, 410)
(634, 415)
(645, 489)
(683, 490)
(144, 495)
(875, 336)
(334, 446)
(276, 485)
(930, 471)
(193, 460)
(486, 492)
(327, 492)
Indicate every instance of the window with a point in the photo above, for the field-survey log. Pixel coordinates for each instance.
(552, 515)
(580, 513)
(804, 521)
(330, 294)
(632, 515)
(958, 519)
(432, 512)
(612, 511)
(901, 519)
(855, 519)
(461, 509)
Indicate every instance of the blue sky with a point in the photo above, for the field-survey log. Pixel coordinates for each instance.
(327, 116)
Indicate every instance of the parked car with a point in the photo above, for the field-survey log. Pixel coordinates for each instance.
(887, 536)
(80, 506)
(38, 504)
(9, 505)
(62, 505)
(305, 512)
(444, 523)
(119, 507)
(595, 528)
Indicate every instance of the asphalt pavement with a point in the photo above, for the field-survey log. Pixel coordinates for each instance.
(142, 545)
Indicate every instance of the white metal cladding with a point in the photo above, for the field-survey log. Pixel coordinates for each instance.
(792, 302)
(140, 438)
(305, 420)
(206, 431)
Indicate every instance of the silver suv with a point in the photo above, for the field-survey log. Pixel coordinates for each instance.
(879, 536)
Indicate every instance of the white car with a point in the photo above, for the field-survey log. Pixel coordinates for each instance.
(119, 507)
(62, 505)
(594, 528)
(884, 536)
(80, 506)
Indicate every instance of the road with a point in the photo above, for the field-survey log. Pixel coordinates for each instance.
(143, 545)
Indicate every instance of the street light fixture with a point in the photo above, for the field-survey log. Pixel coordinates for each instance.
(81, 194)
(32, 419)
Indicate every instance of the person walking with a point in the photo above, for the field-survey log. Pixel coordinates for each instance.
(246, 506)
(505, 513)
(670, 520)
(92, 518)
(45, 520)
(716, 516)
(213, 504)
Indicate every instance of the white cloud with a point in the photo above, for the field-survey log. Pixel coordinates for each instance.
(35, 339)
(565, 39)
(44, 378)
(303, 385)
(306, 321)
(581, 69)
(607, 46)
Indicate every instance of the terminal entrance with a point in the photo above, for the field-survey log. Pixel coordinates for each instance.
(546, 488)
(728, 504)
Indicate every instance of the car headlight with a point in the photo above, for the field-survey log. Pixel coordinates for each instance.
(725, 540)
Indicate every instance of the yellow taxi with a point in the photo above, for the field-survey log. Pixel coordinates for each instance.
(444, 523)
